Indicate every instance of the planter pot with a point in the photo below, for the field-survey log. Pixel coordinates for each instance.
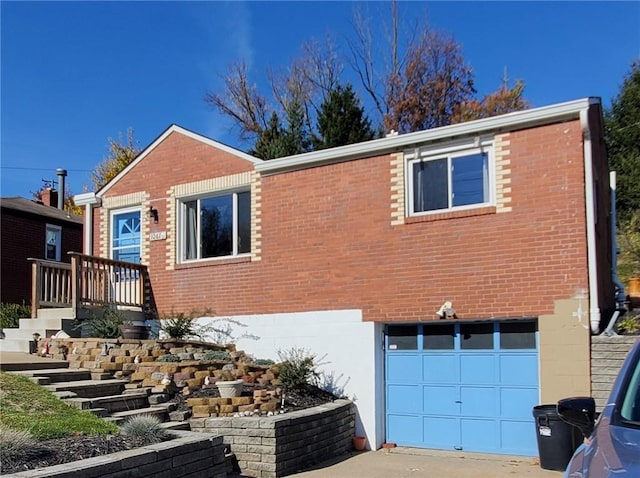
(136, 332)
(359, 443)
(230, 389)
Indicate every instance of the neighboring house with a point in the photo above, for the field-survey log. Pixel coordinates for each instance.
(350, 252)
(33, 230)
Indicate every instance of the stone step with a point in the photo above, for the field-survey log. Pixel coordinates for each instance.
(120, 417)
(176, 425)
(99, 412)
(58, 375)
(64, 395)
(121, 403)
(89, 388)
(112, 403)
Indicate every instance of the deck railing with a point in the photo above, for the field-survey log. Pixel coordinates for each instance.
(50, 285)
(89, 281)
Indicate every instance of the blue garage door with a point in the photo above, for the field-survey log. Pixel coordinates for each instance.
(463, 386)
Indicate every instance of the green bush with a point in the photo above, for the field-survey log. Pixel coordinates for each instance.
(628, 325)
(168, 358)
(106, 325)
(147, 427)
(10, 314)
(297, 369)
(14, 443)
(216, 355)
(263, 362)
(178, 326)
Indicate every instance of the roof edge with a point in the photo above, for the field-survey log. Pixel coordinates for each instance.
(174, 128)
(535, 116)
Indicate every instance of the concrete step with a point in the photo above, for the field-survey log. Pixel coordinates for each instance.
(89, 388)
(14, 345)
(56, 376)
(56, 313)
(120, 417)
(52, 323)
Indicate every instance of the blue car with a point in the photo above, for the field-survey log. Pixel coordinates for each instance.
(612, 443)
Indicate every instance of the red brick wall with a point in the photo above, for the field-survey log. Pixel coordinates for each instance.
(23, 236)
(327, 241)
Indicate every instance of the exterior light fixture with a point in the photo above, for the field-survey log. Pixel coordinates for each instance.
(153, 214)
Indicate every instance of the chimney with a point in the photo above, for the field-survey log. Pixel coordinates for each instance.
(62, 173)
(49, 197)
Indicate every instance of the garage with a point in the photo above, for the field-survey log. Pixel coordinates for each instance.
(463, 385)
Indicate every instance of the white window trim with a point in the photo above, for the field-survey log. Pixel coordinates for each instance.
(182, 225)
(450, 150)
(124, 210)
(58, 231)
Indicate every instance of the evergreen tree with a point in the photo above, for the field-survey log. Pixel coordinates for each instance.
(275, 141)
(341, 120)
(622, 136)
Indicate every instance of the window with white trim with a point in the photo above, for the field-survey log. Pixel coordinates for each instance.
(53, 243)
(216, 226)
(449, 180)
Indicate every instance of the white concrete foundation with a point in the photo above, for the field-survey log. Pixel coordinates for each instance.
(348, 351)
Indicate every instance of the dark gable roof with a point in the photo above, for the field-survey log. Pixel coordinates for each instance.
(31, 207)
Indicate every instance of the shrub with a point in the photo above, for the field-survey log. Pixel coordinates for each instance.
(10, 315)
(168, 358)
(104, 326)
(216, 355)
(263, 362)
(628, 325)
(297, 369)
(178, 326)
(14, 443)
(147, 427)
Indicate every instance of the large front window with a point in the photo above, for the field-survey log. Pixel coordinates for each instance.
(217, 226)
(449, 181)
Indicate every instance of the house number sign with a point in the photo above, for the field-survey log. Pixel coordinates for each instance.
(158, 236)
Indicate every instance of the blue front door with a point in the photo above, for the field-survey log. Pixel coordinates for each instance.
(125, 239)
(463, 386)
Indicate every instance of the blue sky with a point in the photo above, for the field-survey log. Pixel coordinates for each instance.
(74, 74)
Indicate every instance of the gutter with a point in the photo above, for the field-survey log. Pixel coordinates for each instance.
(507, 122)
(594, 306)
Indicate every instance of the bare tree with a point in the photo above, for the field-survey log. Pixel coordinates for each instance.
(241, 101)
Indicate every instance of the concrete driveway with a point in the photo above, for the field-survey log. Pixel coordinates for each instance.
(418, 463)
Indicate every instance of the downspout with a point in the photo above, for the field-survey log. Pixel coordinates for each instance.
(594, 306)
(619, 287)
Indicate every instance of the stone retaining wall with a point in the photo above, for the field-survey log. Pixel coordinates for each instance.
(271, 447)
(607, 356)
(191, 455)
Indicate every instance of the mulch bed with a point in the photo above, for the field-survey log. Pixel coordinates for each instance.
(68, 449)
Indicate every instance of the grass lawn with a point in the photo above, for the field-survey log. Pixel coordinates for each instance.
(26, 406)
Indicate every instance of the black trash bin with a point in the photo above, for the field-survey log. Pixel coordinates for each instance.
(557, 440)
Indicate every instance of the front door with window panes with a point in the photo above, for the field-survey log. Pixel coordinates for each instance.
(125, 239)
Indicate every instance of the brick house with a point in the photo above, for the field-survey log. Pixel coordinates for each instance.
(29, 229)
(353, 252)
